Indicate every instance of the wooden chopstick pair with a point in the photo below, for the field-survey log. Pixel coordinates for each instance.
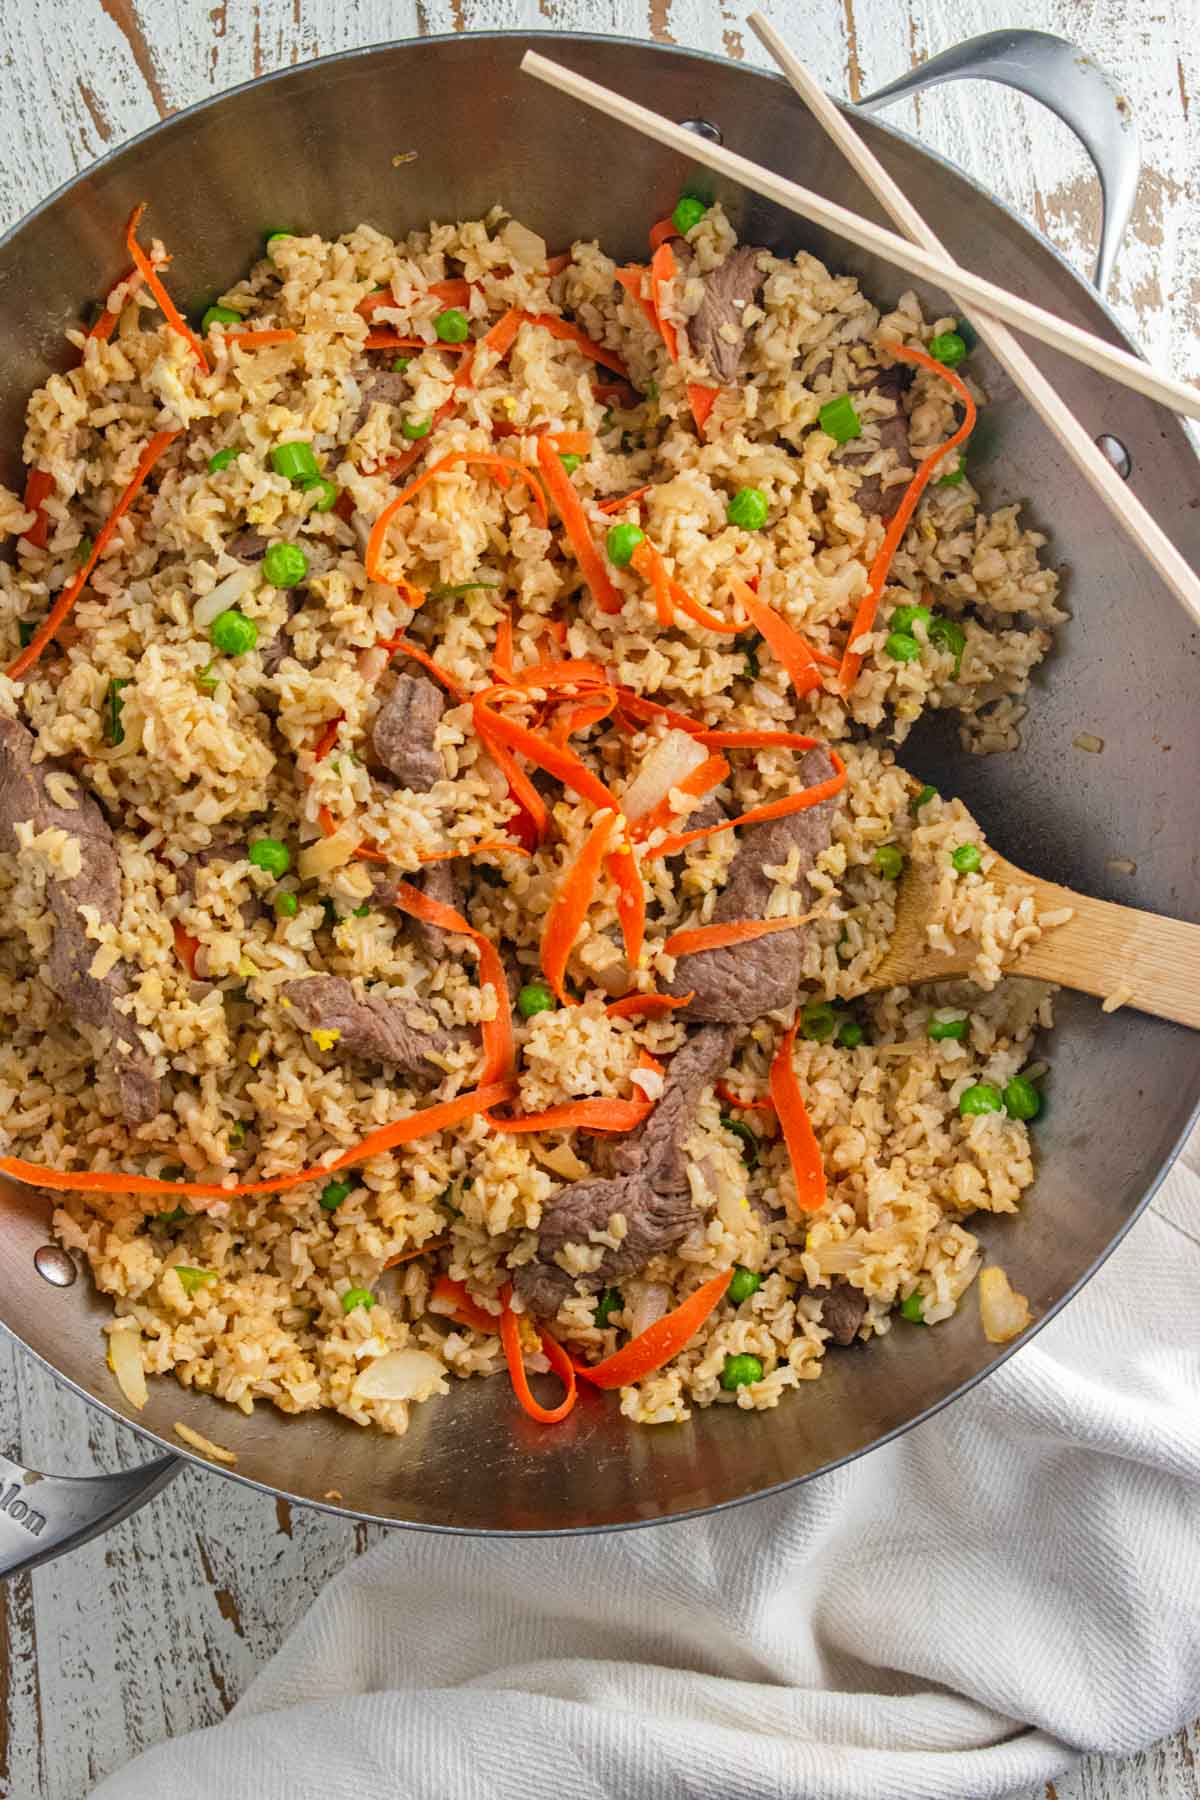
(926, 258)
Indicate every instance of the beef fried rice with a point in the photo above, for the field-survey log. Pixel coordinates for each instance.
(399, 745)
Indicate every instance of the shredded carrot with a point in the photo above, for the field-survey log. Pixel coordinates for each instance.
(646, 1006)
(425, 1249)
(494, 846)
(650, 566)
(624, 500)
(631, 900)
(580, 1115)
(499, 1053)
(607, 597)
(662, 269)
(260, 340)
(38, 488)
(499, 341)
(455, 292)
(327, 739)
(66, 600)
(717, 937)
(798, 1134)
(582, 717)
(186, 947)
(503, 467)
(700, 615)
(572, 443)
(400, 1131)
(664, 229)
(454, 1300)
(661, 1342)
(105, 322)
(562, 763)
(510, 1338)
(149, 275)
(868, 606)
(701, 399)
(638, 707)
(708, 775)
(758, 815)
(756, 740)
(569, 907)
(579, 672)
(502, 655)
(531, 822)
(571, 334)
(724, 1092)
(633, 281)
(787, 645)
(393, 340)
(459, 694)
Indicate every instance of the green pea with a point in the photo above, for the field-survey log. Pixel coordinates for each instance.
(818, 1022)
(535, 997)
(285, 565)
(901, 647)
(982, 1098)
(220, 315)
(221, 460)
(745, 1282)
(610, 1301)
(942, 1026)
(324, 492)
(354, 1297)
(967, 858)
(748, 508)
(295, 461)
(1021, 1099)
(570, 461)
(949, 635)
(740, 1371)
(190, 1280)
(926, 794)
(400, 364)
(287, 905)
(271, 855)
(687, 214)
(452, 326)
(333, 1193)
(233, 633)
(913, 1309)
(850, 1034)
(905, 617)
(416, 428)
(948, 349)
(621, 542)
(748, 1140)
(889, 860)
(276, 237)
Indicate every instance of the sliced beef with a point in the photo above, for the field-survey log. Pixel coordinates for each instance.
(388, 387)
(872, 497)
(716, 330)
(89, 1002)
(741, 983)
(368, 1025)
(843, 1309)
(402, 734)
(438, 881)
(248, 546)
(280, 645)
(648, 1186)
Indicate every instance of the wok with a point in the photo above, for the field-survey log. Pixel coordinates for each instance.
(313, 148)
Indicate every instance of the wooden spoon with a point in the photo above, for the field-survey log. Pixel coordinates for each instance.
(1151, 962)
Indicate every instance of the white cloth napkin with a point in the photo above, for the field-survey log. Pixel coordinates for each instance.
(959, 1614)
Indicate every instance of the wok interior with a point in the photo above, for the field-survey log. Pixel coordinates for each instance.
(313, 150)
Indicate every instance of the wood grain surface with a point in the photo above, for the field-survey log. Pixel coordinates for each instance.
(159, 1626)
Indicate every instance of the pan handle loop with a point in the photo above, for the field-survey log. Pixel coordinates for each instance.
(43, 1515)
(1073, 86)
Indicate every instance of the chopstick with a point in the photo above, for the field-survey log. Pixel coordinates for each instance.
(1106, 359)
(1075, 440)
(1125, 507)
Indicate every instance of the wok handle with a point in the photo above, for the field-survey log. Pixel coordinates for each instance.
(1073, 86)
(43, 1515)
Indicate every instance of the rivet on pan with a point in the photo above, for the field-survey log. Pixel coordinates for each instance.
(705, 129)
(1117, 454)
(54, 1265)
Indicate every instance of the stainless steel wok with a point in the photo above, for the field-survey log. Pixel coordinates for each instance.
(313, 148)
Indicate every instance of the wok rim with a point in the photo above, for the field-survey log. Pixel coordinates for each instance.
(195, 1459)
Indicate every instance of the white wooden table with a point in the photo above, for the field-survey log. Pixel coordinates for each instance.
(159, 1626)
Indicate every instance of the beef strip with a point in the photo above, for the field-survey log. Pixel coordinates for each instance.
(872, 498)
(388, 386)
(248, 546)
(439, 881)
(715, 331)
(88, 1000)
(843, 1309)
(740, 983)
(369, 1025)
(648, 1185)
(280, 645)
(402, 733)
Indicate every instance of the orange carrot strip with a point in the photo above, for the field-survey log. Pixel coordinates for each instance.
(581, 718)
(710, 773)
(455, 292)
(664, 229)
(497, 846)
(700, 615)
(502, 466)
(572, 443)
(425, 1249)
(646, 1006)
(661, 1342)
(650, 566)
(106, 321)
(623, 500)
(400, 642)
(499, 1053)
(38, 488)
(798, 1134)
(66, 600)
(868, 606)
(701, 399)
(638, 707)
(570, 905)
(758, 815)
(186, 947)
(510, 1338)
(662, 269)
(607, 597)
(327, 739)
(149, 275)
(532, 820)
(580, 1115)
(724, 1092)
(500, 339)
(756, 740)
(579, 672)
(454, 1300)
(787, 645)
(562, 763)
(260, 340)
(571, 334)
(632, 280)
(400, 1131)
(502, 655)
(631, 899)
(717, 937)
(393, 340)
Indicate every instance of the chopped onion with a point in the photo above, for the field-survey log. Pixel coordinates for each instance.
(330, 853)
(650, 1082)
(645, 1304)
(670, 762)
(371, 664)
(125, 1361)
(401, 1375)
(561, 1160)
(204, 1445)
(525, 247)
(227, 593)
(1004, 1313)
